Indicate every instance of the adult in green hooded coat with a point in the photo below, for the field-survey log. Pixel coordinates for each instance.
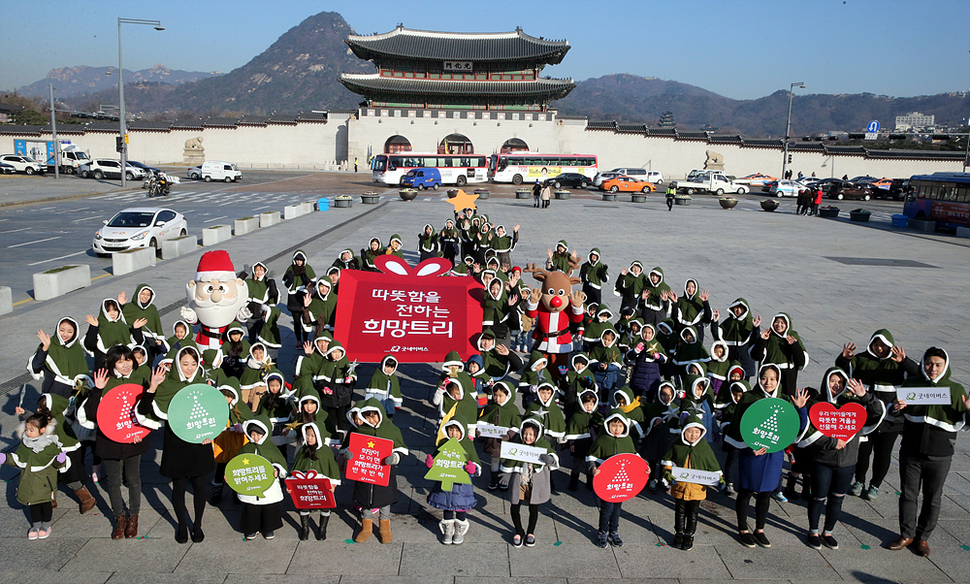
(594, 274)
(142, 305)
(655, 303)
(384, 385)
(500, 411)
(780, 345)
(395, 246)
(926, 451)
(369, 256)
(182, 462)
(881, 367)
(297, 279)
(692, 309)
(739, 330)
(321, 310)
(110, 329)
(560, 258)
(630, 285)
(59, 359)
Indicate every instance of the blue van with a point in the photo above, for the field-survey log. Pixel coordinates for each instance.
(423, 178)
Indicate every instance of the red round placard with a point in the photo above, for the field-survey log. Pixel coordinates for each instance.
(621, 477)
(116, 414)
(839, 423)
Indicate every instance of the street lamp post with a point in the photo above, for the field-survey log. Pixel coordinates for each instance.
(791, 96)
(121, 94)
(57, 149)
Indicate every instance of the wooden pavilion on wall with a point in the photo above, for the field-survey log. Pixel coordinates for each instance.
(442, 70)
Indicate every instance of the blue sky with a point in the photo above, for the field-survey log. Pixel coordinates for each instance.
(742, 49)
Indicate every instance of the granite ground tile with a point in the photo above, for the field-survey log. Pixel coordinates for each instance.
(334, 556)
(258, 556)
(53, 553)
(775, 562)
(854, 563)
(566, 560)
(131, 577)
(648, 561)
(128, 555)
(13, 576)
(433, 559)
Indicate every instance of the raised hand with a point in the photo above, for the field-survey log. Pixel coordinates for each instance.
(705, 295)
(577, 298)
(801, 398)
(623, 272)
(501, 349)
(757, 320)
(101, 378)
(856, 388)
(535, 295)
(549, 253)
(158, 376)
(765, 334)
(848, 350)
(139, 322)
(122, 298)
(306, 300)
(45, 340)
(307, 348)
(899, 354)
(516, 228)
(791, 340)
(91, 320)
(716, 315)
(673, 296)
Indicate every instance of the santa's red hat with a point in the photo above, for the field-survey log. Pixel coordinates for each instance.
(215, 265)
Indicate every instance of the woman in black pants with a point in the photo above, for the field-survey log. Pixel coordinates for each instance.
(183, 462)
(121, 459)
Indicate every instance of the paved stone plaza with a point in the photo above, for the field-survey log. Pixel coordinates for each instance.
(832, 277)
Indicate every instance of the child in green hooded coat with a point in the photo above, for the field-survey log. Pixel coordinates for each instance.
(501, 411)
(455, 503)
(39, 458)
(528, 482)
(385, 386)
(313, 454)
(583, 426)
(262, 513)
(614, 440)
(690, 452)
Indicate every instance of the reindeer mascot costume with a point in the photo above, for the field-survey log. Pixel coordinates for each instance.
(548, 305)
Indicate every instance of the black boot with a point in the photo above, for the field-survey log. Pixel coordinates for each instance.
(322, 529)
(690, 529)
(679, 523)
(573, 481)
(304, 527)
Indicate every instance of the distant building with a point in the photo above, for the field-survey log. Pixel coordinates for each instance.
(667, 120)
(914, 121)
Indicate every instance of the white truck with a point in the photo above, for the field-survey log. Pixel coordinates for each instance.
(711, 181)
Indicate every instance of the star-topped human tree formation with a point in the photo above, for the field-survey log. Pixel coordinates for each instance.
(463, 201)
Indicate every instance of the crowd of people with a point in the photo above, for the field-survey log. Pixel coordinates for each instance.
(640, 381)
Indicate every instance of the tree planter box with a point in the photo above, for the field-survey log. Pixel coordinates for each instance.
(132, 260)
(60, 281)
(961, 232)
(682, 201)
(861, 217)
(452, 193)
(613, 196)
(370, 199)
(292, 211)
(409, 195)
(829, 213)
(562, 195)
(308, 207)
(343, 203)
(216, 234)
(728, 203)
(482, 194)
(634, 198)
(269, 218)
(6, 300)
(244, 226)
(923, 225)
(173, 248)
(523, 194)
(769, 205)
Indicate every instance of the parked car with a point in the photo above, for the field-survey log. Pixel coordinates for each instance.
(422, 178)
(7, 168)
(627, 184)
(211, 170)
(148, 169)
(138, 227)
(756, 179)
(786, 188)
(603, 176)
(643, 174)
(861, 191)
(24, 164)
(568, 179)
(864, 178)
(100, 168)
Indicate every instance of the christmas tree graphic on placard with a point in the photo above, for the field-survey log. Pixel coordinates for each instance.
(449, 466)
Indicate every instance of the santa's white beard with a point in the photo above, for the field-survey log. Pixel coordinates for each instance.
(215, 315)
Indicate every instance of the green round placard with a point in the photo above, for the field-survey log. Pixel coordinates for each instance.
(249, 474)
(198, 412)
(770, 423)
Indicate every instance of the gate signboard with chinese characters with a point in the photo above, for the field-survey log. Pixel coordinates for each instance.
(408, 312)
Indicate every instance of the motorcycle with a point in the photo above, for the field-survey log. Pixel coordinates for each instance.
(160, 184)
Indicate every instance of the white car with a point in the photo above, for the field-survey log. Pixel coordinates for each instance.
(24, 164)
(100, 168)
(787, 188)
(604, 176)
(138, 227)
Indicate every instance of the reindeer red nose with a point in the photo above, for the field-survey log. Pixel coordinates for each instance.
(556, 301)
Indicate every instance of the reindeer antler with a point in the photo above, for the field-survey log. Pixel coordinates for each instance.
(537, 273)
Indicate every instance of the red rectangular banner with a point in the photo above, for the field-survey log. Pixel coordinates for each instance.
(366, 465)
(310, 491)
(417, 318)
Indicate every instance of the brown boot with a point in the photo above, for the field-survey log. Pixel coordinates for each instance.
(87, 501)
(385, 531)
(366, 527)
(132, 529)
(120, 524)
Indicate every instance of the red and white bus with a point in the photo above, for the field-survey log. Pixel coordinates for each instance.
(519, 167)
(455, 169)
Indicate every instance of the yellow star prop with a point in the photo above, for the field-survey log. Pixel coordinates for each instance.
(246, 461)
(463, 201)
(370, 444)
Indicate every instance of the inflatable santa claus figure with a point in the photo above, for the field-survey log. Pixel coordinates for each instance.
(216, 298)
